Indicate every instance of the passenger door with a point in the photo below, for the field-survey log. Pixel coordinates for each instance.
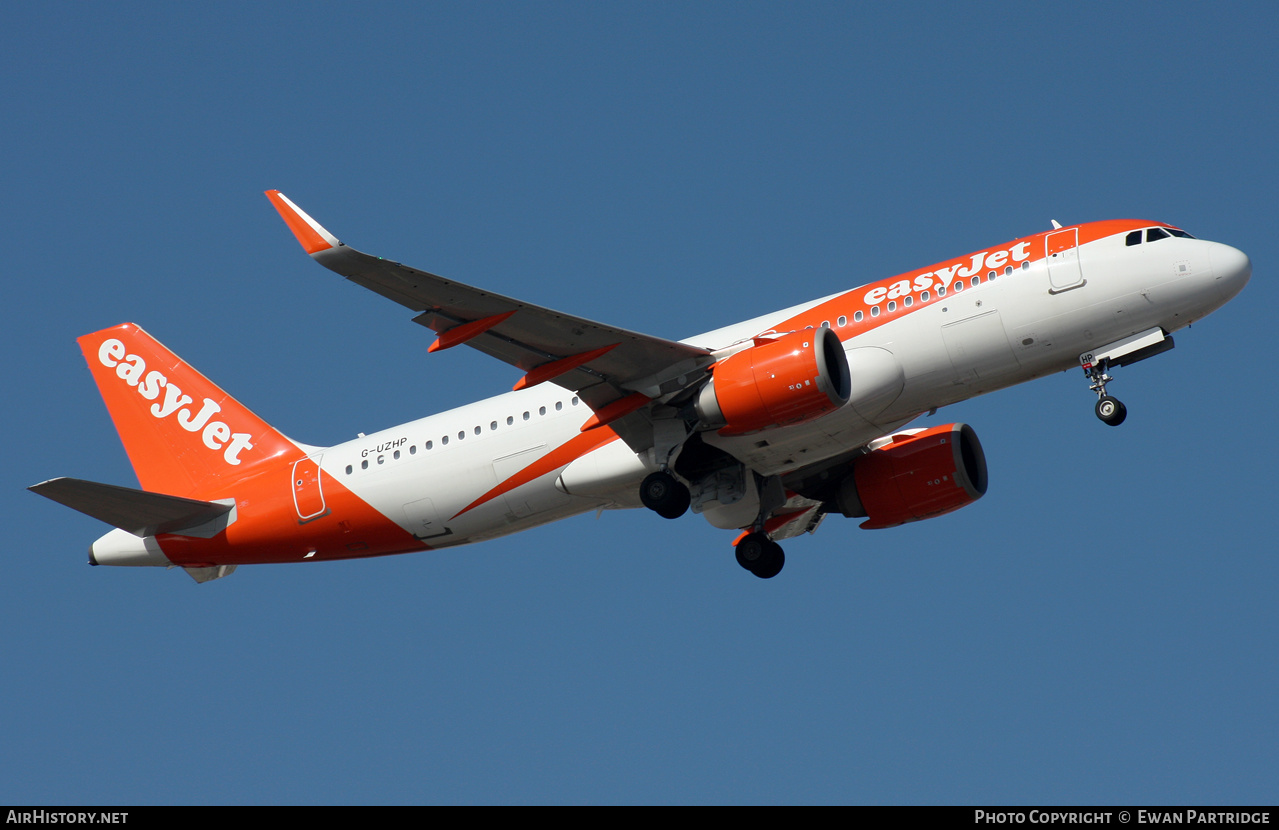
(1061, 252)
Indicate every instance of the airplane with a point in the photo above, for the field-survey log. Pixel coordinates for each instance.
(764, 427)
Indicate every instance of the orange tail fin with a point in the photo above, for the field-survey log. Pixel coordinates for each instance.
(184, 435)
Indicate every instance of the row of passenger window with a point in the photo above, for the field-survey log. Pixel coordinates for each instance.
(461, 435)
(925, 296)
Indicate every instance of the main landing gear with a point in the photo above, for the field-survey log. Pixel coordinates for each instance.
(666, 496)
(662, 493)
(1110, 410)
(760, 555)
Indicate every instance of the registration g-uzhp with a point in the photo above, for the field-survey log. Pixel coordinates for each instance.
(763, 427)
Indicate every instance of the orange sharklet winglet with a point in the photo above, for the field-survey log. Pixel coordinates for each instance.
(464, 332)
(619, 408)
(310, 233)
(547, 371)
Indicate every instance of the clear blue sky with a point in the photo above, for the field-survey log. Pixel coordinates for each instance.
(1101, 628)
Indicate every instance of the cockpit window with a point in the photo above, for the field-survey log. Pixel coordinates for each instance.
(1153, 234)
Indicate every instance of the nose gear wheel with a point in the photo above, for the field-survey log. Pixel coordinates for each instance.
(1110, 410)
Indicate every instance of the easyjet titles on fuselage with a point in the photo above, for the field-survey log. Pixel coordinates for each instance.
(939, 279)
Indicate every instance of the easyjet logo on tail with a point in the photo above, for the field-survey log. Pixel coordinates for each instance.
(169, 400)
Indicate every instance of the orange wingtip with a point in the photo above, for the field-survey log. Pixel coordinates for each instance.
(313, 237)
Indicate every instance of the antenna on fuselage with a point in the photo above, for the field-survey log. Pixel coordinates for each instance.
(1056, 224)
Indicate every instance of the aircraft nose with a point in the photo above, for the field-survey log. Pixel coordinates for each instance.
(1231, 267)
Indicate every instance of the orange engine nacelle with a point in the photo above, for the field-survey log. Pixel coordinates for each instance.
(794, 378)
(915, 476)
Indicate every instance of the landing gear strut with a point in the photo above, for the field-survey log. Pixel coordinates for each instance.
(760, 555)
(1110, 410)
(662, 493)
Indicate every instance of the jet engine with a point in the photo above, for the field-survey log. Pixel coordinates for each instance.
(787, 380)
(915, 475)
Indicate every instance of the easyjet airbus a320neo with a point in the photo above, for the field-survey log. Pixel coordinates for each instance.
(764, 427)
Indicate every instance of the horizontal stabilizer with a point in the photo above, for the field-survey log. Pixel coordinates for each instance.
(136, 511)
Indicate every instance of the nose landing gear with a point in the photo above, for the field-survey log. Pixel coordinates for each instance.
(1110, 410)
(1120, 353)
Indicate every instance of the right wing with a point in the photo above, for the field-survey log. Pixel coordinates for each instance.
(612, 369)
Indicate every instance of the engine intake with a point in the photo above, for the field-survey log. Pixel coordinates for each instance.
(792, 379)
(917, 475)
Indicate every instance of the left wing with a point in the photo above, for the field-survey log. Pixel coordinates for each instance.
(615, 371)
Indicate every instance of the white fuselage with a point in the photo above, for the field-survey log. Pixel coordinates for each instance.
(454, 478)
